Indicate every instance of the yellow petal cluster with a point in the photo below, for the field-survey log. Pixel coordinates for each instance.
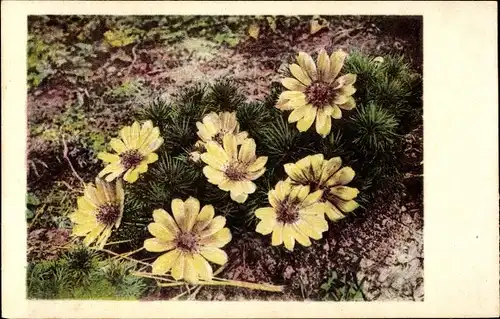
(316, 92)
(328, 176)
(233, 167)
(190, 237)
(99, 210)
(134, 151)
(213, 127)
(296, 214)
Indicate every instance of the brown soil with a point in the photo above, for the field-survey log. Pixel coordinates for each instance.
(384, 246)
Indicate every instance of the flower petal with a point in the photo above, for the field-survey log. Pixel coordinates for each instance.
(317, 222)
(202, 267)
(277, 237)
(214, 176)
(329, 168)
(344, 205)
(293, 84)
(258, 164)
(323, 123)
(323, 66)
(239, 197)
(214, 226)
(247, 151)
(295, 173)
(299, 74)
(305, 123)
(107, 157)
(265, 213)
(160, 216)
(312, 198)
(344, 192)
(215, 255)
(161, 232)
(192, 208)
(179, 213)
(125, 135)
(288, 237)
(349, 104)
(178, 267)
(165, 262)
(333, 212)
(300, 237)
(219, 239)
(230, 146)
(131, 176)
(156, 245)
(341, 177)
(336, 63)
(204, 217)
(272, 197)
(215, 150)
(282, 189)
(346, 79)
(83, 229)
(336, 113)
(135, 129)
(190, 273)
(299, 113)
(306, 62)
(117, 145)
(213, 161)
(151, 158)
(266, 226)
(307, 229)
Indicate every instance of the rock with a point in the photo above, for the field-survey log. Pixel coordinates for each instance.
(403, 209)
(289, 271)
(406, 219)
(111, 69)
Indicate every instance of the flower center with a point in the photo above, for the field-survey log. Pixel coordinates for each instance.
(235, 172)
(131, 158)
(319, 94)
(108, 214)
(287, 212)
(187, 242)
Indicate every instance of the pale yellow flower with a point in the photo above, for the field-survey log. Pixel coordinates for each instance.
(233, 167)
(99, 210)
(191, 238)
(316, 92)
(326, 175)
(295, 215)
(214, 126)
(135, 150)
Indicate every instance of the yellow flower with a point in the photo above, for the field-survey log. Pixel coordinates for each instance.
(233, 167)
(295, 215)
(135, 150)
(317, 92)
(191, 237)
(99, 210)
(326, 175)
(215, 126)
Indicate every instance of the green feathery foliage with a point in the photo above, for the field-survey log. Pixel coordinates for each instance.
(225, 95)
(367, 139)
(372, 129)
(82, 274)
(342, 288)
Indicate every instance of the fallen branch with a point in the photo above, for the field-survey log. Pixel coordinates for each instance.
(65, 155)
(129, 69)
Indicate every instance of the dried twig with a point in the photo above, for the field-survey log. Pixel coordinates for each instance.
(65, 155)
(129, 69)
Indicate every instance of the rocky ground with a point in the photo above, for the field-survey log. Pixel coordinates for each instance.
(383, 247)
